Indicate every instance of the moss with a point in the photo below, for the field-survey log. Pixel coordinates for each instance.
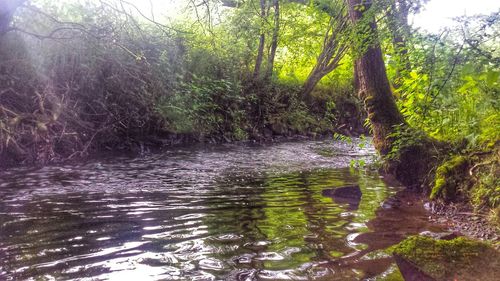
(449, 176)
(394, 275)
(485, 172)
(460, 258)
(412, 155)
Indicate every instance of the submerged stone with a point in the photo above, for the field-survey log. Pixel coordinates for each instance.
(425, 258)
(391, 203)
(350, 194)
(410, 271)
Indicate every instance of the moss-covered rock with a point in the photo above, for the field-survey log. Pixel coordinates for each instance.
(485, 173)
(450, 178)
(457, 259)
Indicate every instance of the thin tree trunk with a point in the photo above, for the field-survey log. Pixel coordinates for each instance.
(262, 42)
(311, 82)
(332, 53)
(374, 88)
(5, 18)
(274, 40)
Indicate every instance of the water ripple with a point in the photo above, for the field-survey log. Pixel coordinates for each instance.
(227, 212)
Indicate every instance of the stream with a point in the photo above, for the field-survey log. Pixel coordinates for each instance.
(218, 212)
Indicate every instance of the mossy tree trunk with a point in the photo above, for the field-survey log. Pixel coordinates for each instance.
(410, 153)
(373, 84)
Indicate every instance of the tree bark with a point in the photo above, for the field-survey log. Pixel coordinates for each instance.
(413, 153)
(311, 82)
(274, 40)
(374, 88)
(262, 42)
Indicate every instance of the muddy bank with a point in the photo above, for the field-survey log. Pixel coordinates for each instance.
(461, 218)
(398, 217)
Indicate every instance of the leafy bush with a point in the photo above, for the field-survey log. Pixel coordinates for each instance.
(205, 107)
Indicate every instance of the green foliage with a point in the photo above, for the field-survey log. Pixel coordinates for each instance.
(341, 137)
(451, 91)
(404, 138)
(282, 110)
(75, 94)
(357, 164)
(485, 173)
(487, 191)
(205, 107)
(97, 76)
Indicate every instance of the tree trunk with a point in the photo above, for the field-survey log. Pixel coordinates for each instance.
(374, 88)
(262, 42)
(416, 153)
(274, 40)
(332, 53)
(311, 82)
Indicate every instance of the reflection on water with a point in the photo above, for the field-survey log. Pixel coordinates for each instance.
(219, 213)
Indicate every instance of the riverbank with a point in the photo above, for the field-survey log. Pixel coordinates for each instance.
(460, 245)
(463, 220)
(465, 191)
(461, 191)
(159, 143)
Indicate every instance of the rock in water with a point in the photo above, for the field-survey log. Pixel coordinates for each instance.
(347, 192)
(410, 271)
(350, 194)
(425, 258)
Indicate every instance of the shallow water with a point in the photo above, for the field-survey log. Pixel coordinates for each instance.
(226, 212)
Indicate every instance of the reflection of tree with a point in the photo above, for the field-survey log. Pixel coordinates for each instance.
(298, 215)
(400, 217)
(374, 193)
(285, 219)
(324, 215)
(236, 210)
(285, 222)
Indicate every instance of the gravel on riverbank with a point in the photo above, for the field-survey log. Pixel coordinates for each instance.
(461, 218)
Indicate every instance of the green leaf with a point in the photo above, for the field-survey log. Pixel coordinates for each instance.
(414, 75)
(492, 77)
